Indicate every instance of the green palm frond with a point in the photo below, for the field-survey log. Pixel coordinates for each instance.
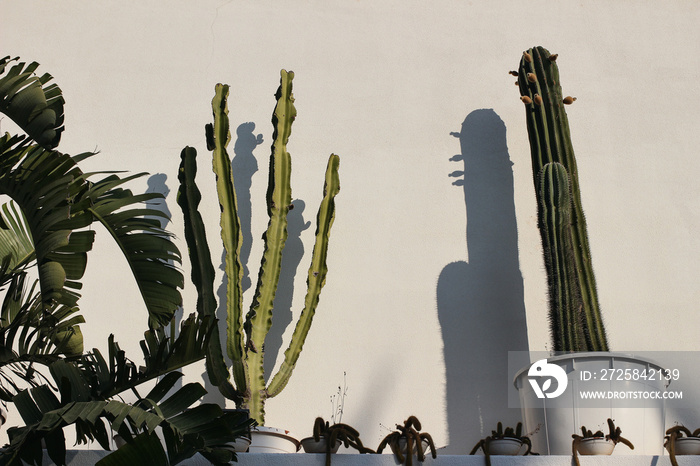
(58, 202)
(15, 240)
(147, 247)
(31, 335)
(31, 102)
(205, 428)
(162, 354)
(40, 183)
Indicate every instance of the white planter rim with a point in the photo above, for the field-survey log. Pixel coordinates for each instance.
(507, 439)
(593, 446)
(312, 446)
(592, 356)
(323, 439)
(277, 432)
(508, 446)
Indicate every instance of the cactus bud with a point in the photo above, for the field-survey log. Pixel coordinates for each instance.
(526, 99)
(513, 73)
(538, 99)
(553, 57)
(568, 100)
(527, 57)
(532, 77)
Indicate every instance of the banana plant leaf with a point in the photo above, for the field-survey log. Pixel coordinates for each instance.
(31, 102)
(57, 199)
(186, 431)
(39, 182)
(147, 247)
(15, 240)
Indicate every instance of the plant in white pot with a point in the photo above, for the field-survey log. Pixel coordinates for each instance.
(407, 441)
(246, 333)
(679, 440)
(47, 231)
(327, 438)
(506, 442)
(576, 324)
(596, 443)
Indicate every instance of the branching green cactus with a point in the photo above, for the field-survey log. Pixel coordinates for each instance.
(245, 340)
(575, 317)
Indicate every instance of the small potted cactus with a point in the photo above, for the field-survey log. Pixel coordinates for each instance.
(596, 443)
(407, 441)
(507, 442)
(328, 438)
(679, 440)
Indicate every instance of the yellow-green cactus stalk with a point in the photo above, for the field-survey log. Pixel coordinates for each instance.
(245, 340)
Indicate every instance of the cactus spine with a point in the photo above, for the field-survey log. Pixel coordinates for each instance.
(575, 318)
(245, 340)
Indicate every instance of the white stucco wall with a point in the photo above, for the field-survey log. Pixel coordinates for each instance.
(435, 261)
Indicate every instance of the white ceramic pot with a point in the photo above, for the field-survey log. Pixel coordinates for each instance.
(312, 446)
(687, 446)
(505, 446)
(241, 444)
(596, 446)
(554, 419)
(402, 446)
(265, 439)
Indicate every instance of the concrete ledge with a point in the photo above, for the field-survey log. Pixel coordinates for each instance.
(89, 458)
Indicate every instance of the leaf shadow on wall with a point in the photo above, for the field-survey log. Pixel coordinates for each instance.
(157, 184)
(480, 302)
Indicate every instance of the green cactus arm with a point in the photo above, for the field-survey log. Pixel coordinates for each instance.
(279, 198)
(550, 141)
(218, 138)
(554, 221)
(316, 277)
(203, 275)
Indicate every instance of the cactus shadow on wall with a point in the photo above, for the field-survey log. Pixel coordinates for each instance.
(481, 301)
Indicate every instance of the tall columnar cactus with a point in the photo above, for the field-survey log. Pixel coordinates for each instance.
(575, 317)
(245, 342)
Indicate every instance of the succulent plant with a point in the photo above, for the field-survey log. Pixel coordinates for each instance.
(335, 433)
(575, 318)
(408, 434)
(245, 342)
(614, 436)
(672, 435)
(500, 434)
